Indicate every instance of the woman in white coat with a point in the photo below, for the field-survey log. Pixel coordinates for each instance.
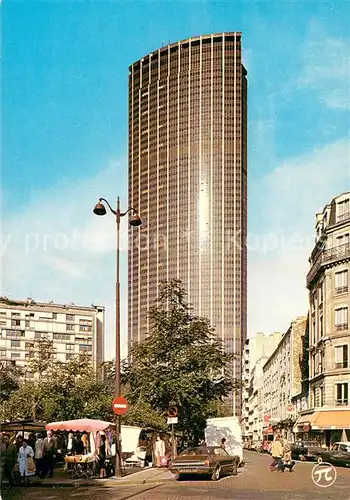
(25, 460)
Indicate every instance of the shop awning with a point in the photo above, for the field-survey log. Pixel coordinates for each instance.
(323, 420)
(304, 420)
(333, 419)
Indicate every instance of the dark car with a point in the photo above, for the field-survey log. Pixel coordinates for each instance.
(209, 460)
(306, 450)
(338, 455)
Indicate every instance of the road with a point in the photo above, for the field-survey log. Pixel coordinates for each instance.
(254, 482)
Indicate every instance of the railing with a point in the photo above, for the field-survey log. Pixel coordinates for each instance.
(341, 289)
(343, 326)
(332, 254)
(343, 217)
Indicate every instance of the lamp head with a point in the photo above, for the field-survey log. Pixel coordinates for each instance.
(135, 220)
(100, 209)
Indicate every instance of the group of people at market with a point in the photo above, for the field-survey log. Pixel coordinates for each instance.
(34, 455)
(39, 453)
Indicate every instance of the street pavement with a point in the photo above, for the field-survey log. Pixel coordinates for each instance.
(254, 482)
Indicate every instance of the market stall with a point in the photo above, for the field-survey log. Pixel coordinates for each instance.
(84, 465)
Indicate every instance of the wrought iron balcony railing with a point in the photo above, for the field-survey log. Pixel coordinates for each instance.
(327, 257)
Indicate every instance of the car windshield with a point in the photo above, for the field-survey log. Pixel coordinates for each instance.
(311, 443)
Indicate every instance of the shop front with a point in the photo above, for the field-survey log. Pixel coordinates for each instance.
(325, 426)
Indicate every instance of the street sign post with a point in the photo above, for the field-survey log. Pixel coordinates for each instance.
(120, 405)
(172, 420)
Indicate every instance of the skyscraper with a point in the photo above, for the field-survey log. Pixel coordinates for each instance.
(188, 179)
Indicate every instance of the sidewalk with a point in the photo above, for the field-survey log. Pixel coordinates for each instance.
(132, 477)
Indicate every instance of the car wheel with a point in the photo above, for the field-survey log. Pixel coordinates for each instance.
(319, 459)
(216, 474)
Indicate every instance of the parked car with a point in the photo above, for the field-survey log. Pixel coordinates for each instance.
(306, 450)
(338, 455)
(210, 460)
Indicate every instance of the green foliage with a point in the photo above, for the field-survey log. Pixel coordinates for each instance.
(9, 380)
(182, 361)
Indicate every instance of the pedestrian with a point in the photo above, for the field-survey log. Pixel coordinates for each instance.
(70, 444)
(26, 461)
(102, 456)
(159, 451)
(288, 463)
(277, 453)
(8, 454)
(222, 445)
(39, 451)
(85, 440)
(49, 452)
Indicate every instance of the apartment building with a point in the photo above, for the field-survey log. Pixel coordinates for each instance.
(329, 358)
(257, 350)
(282, 377)
(73, 329)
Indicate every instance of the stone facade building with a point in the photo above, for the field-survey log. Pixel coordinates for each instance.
(257, 350)
(282, 377)
(329, 360)
(74, 330)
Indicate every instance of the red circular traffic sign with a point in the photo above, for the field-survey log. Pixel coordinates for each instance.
(120, 405)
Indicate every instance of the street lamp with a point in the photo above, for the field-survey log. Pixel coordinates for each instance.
(134, 221)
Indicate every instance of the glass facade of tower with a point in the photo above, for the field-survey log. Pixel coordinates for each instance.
(188, 179)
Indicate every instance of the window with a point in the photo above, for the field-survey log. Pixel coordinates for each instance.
(54, 315)
(343, 210)
(70, 347)
(70, 327)
(342, 393)
(70, 318)
(15, 322)
(341, 318)
(343, 239)
(29, 345)
(341, 281)
(341, 356)
(320, 294)
(15, 355)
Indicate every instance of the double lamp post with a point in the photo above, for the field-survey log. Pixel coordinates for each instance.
(134, 221)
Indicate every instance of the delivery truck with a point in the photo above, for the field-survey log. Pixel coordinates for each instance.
(228, 428)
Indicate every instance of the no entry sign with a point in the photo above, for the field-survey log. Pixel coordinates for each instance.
(120, 405)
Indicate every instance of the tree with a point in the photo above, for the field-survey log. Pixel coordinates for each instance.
(9, 379)
(182, 361)
(41, 357)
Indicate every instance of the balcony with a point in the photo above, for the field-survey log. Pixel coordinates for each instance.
(330, 256)
(341, 289)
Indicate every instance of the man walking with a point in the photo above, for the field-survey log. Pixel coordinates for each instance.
(9, 458)
(277, 454)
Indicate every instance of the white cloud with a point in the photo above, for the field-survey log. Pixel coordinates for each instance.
(326, 68)
(290, 196)
(56, 249)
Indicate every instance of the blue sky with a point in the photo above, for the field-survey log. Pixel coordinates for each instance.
(65, 70)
